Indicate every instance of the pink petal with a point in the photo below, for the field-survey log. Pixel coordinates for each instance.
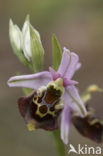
(65, 123)
(74, 95)
(64, 62)
(54, 74)
(30, 81)
(68, 100)
(72, 66)
(69, 64)
(67, 82)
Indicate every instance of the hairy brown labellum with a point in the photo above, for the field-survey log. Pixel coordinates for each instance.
(40, 107)
(90, 127)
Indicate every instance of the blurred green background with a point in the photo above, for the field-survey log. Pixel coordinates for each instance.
(78, 25)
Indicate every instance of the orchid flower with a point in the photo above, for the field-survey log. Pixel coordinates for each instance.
(54, 96)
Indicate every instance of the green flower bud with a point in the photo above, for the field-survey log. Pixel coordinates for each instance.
(15, 37)
(16, 40)
(27, 45)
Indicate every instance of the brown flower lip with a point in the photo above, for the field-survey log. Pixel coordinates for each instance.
(89, 126)
(41, 109)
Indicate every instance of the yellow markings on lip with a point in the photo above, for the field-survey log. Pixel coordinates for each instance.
(57, 84)
(59, 106)
(31, 126)
(51, 113)
(42, 115)
(35, 101)
(39, 113)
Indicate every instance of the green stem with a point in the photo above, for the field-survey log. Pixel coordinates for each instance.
(58, 143)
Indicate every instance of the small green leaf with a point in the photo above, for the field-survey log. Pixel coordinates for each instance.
(57, 52)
